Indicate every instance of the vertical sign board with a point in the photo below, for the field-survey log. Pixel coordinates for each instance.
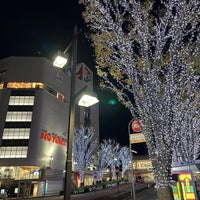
(84, 73)
(175, 192)
(187, 187)
(137, 136)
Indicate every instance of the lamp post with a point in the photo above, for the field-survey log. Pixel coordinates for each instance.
(133, 184)
(86, 101)
(68, 166)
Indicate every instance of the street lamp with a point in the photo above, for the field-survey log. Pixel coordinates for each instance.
(60, 62)
(130, 149)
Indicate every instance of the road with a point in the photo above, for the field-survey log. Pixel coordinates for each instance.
(149, 194)
(114, 193)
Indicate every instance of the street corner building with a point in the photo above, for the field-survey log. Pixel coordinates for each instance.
(34, 104)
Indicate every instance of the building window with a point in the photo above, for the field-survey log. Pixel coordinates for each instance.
(16, 100)
(14, 143)
(87, 116)
(17, 125)
(20, 108)
(13, 152)
(21, 100)
(60, 97)
(16, 133)
(19, 117)
(23, 92)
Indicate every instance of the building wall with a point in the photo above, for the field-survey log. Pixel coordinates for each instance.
(50, 116)
(47, 115)
(35, 69)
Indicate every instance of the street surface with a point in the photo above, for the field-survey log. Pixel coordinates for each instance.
(123, 192)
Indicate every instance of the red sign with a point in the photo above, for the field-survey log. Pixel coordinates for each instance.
(53, 138)
(136, 126)
(84, 73)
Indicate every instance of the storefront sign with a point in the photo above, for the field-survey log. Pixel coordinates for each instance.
(137, 125)
(187, 186)
(137, 138)
(51, 137)
(84, 73)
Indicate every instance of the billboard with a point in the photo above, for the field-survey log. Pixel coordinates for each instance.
(137, 138)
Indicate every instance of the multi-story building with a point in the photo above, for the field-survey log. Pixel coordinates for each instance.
(34, 115)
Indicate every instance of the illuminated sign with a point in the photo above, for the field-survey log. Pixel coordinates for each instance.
(137, 125)
(84, 73)
(50, 137)
(137, 138)
(187, 186)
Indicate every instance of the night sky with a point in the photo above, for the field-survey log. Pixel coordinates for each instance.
(40, 28)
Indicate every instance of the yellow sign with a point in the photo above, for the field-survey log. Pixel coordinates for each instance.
(187, 187)
(137, 138)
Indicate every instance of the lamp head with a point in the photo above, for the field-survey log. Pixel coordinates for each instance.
(60, 60)
(87, 100)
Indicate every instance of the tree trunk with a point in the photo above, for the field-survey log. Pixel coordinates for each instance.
(82, 178)
(165, 193)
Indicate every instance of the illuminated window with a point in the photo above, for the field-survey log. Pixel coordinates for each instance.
(18, 116)
(26, 172)
(16, 133)
(13, 152)
(21, 100)
(26, 85)
(1, 85)
(60, 96)
(7, 172)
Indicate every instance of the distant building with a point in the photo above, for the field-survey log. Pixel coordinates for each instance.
(34, 113)
(142, 168)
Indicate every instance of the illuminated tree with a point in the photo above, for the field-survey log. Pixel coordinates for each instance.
(103, 155)
(187, 147)
(147, 52)
(84, 147)
(113, 161)
(125, 158)
(107, 157)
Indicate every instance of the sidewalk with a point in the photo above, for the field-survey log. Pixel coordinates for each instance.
(112, 193)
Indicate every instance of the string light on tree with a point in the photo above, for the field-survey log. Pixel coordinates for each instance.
(147, 52)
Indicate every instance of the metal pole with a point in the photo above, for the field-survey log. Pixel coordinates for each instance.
(68, 166)
(118, 184)
(132, 173)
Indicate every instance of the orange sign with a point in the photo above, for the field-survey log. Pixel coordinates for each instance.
(137, 138)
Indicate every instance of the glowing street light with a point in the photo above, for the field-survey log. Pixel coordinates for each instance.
(60, 61)
(86, 100)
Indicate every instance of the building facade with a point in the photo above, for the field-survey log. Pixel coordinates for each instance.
(34, 115)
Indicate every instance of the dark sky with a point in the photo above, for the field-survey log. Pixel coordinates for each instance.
(40, 28)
